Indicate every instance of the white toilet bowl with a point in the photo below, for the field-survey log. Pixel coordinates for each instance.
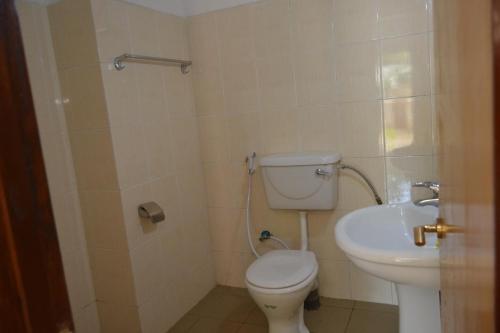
(279, 282)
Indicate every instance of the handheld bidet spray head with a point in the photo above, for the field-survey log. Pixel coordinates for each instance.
(251, 163)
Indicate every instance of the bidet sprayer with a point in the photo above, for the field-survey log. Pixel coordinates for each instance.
(251, 163)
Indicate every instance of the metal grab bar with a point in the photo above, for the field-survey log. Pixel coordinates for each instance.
(118, 61)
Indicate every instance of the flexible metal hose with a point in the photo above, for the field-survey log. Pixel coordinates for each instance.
(367, 181)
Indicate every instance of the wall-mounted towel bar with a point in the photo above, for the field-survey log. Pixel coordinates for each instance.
(118, 61)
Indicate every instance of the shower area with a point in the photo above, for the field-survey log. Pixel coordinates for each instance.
(174, 126)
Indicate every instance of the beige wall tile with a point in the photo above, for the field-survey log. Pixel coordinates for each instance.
(272, 28)
(147, 273)
(319, 129)
(203, 43)
(235, 31)
(401, 17)
(86, 108)
(112, 42)
(362, 129)
(279, 131)
(315, 77)
(90, 146)
(224, 223)
(358, 72)
(208, 91)
(172, 36)
(276, 83)
(150, 93)
(353, 192)
(102, 212)
(185, 141)
(312, 11)
(67, 20)
(144, 34)
(243, 135)
(355, 21)
(402, 172)
(321, 228)
(130, 156)
(159, 149)
(240, 87)
(218, 185)
(405, 66)
(408, 126)
(121, 95)
(334, 278)
(178, 92)
(113, 279)
(213, 139)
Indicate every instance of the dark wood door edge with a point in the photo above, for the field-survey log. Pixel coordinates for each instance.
(30, 259)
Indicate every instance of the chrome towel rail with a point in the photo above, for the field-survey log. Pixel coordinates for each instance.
(118, 61)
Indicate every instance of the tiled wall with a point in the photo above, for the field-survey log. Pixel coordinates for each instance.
(59, 164)
(156, 146)
(97, 181)
(135, 137)
(312, 75)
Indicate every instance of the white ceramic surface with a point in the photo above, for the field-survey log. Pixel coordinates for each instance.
(379, 240)
(291, 180)
(289, 276)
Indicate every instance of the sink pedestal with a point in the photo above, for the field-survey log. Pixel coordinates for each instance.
(418, 309)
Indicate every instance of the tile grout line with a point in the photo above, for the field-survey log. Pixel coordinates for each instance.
(349, 320)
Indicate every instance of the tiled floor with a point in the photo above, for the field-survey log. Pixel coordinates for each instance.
(231, 310)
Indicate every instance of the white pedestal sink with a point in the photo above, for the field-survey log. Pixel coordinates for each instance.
(379, 240)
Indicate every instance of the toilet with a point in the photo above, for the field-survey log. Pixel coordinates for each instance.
(280, 280)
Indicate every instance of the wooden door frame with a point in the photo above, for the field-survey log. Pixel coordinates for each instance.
(495, 20)
(33, 294)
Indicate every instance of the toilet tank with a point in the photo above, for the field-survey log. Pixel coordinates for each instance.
(301, 181)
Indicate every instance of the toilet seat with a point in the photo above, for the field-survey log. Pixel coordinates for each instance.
(282, 269)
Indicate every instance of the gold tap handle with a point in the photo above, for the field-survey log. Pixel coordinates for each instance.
(440, 228)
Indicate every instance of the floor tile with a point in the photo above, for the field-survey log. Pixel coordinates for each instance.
(327, 319)
(226, 306)
(184, 324)
(247, 328)
(375, 306)
(256, 317)
(232, 310)
(363, 321)
(341, 303)
(211, 325)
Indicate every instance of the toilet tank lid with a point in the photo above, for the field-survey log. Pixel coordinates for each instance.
(303, 158)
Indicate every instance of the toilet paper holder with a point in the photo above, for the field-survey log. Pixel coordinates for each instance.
(152, 211)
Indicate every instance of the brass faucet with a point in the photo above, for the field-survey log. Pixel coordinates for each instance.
(440, 228)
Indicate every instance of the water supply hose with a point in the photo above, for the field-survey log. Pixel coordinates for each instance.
(251, 170)
(248, 216)
(367, 181)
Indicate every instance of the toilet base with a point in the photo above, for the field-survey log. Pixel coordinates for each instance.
(294, 324)
(418, 309)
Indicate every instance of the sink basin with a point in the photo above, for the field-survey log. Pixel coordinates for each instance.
(379, 240)
(384, 235)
